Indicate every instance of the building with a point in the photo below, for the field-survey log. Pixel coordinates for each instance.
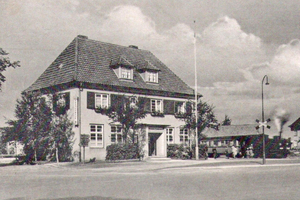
(243, 137)
(90, 74)
(229, 135)
(295, 127)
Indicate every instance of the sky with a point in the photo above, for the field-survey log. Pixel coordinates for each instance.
(237, 43)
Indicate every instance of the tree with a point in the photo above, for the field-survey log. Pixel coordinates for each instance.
(227, 121)
(61, 138)
(4, 64)
(127, 111)
(32, 125)
(206, 117)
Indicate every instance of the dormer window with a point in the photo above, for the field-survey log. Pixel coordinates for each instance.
(148, 71)
(151, 77)
(126, 73)
(123, 68)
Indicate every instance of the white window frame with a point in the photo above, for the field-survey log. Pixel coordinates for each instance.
(126, 73)
(170, 135)
(99, 100)
(184, 136)
(157, 107)
(181, 107)
(96, 135)
(152, 77)
(118, 134)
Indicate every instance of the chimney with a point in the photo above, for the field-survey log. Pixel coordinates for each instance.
(133, 46)
(82, 37)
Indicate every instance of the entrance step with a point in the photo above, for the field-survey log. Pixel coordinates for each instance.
(157, 159)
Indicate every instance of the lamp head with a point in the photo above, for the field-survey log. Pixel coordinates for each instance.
(267, 80)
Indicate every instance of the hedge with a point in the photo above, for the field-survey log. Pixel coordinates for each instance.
(123, 152)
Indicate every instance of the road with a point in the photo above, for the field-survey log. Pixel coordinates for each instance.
(146, 182)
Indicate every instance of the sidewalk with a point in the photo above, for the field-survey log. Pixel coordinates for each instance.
(142, 166)
(152, 166)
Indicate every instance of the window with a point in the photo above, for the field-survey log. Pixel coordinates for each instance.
(126, 73)
(169, 135)
(152, 77)
(156, 105)
(101, 100)
(96, 132)
(184, 135)
(116, 134)
(133, 101)
(181, 107)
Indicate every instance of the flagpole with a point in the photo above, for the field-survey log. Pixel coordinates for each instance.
(196, 96)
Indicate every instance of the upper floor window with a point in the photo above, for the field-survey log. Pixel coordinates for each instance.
(96, 135)
(152, 77)
(126, 73)
(181, 107)
(157, 105)
(169, 135)
(101, 100)
(116, 134)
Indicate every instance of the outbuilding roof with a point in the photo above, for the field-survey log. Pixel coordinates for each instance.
(90, 61)
(231, 131)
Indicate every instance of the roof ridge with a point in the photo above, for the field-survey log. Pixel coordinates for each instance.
(117, 45)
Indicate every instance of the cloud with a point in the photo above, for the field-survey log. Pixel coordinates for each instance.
(284, 68)
(227, 56)
(127, 24)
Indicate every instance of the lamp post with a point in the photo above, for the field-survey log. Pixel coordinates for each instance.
(263, 115)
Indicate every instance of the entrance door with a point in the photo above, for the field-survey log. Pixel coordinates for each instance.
(152, 143)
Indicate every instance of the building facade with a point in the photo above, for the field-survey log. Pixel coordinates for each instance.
(295, 127)
(91, 74)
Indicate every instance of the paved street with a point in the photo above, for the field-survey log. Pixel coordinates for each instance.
(212, 179)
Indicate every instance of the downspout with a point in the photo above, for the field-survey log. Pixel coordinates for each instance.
(79, 95)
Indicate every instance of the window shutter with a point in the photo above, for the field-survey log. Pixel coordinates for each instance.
(189, 107)
(113, 100)
(169, 106)
(54, 102)
(146, 104)
(90, 100)
(67, 99)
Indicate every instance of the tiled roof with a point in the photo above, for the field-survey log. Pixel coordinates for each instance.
(232, 130)
(121, 61)
(94, 60)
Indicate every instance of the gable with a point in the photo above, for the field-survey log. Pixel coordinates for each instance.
(296, 125)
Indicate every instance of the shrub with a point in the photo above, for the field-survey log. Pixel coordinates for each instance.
(122, 151)
(179, 151)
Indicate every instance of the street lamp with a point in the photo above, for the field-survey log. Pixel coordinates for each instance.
(263, 115)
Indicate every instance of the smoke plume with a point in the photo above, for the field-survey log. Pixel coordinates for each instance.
(281, 117)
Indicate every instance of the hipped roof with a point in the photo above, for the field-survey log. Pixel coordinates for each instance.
(90, 61)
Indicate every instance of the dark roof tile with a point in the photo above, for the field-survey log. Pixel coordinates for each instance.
(232, 130)
(94, 66)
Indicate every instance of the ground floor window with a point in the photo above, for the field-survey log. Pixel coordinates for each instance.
(96, 135)
(170, 135)
(184, 136)
(116, 134)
